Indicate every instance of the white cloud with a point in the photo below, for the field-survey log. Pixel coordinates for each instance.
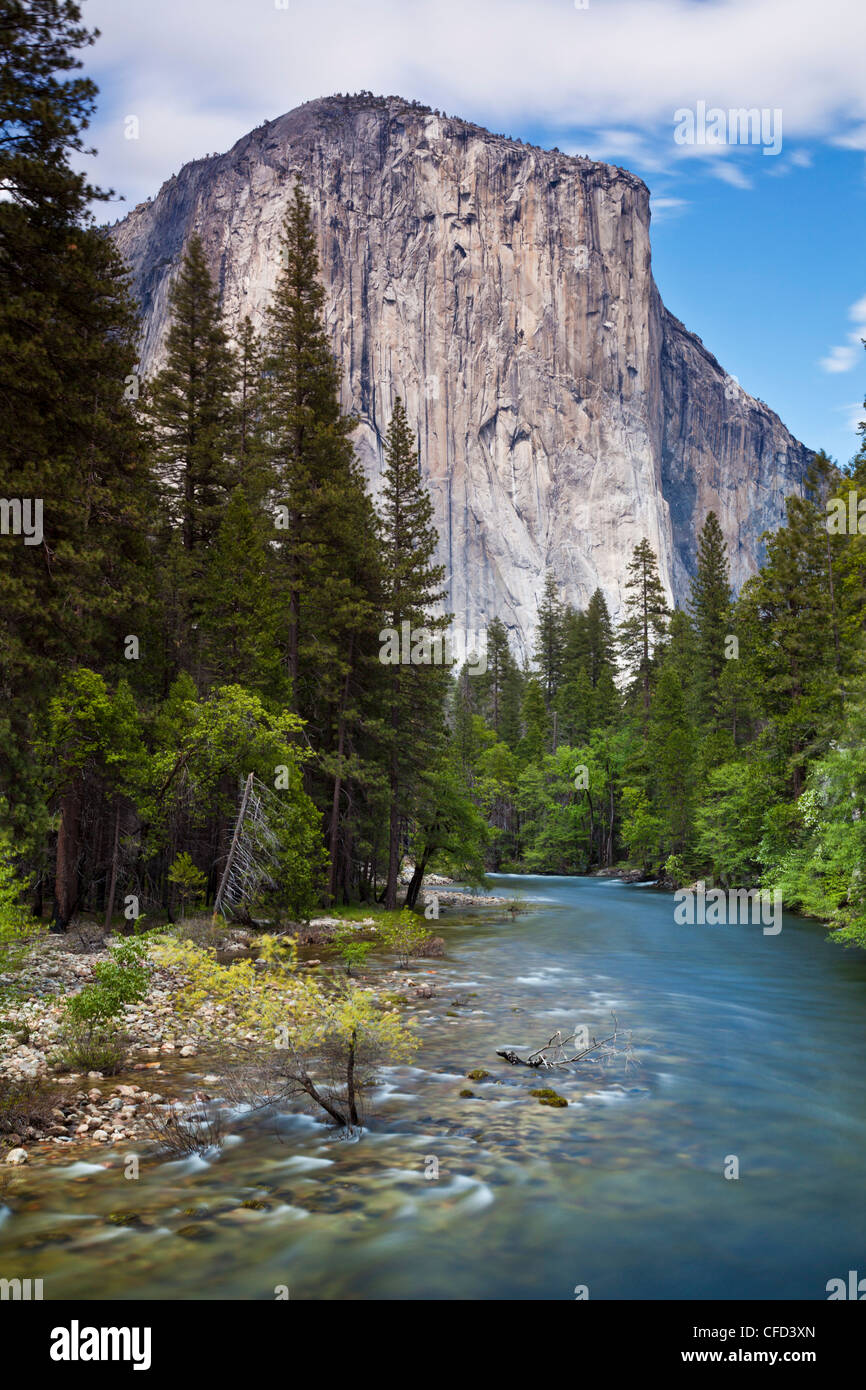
(732, 174)
(846, 355)
(853, 412)
(201, 73)
(839, 359)
(664, 208)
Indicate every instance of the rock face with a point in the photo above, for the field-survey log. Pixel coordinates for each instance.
(505, 292)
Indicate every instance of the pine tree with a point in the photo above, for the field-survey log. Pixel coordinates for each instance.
(69, 442)
(191, 404)
(511, 711)
(536, 725)
(710, 606)
(411, 588)
(250, 453)
(646, 617)
(550, 640)
(491, 685)
(671, 749)
(240, 616)
(789, 614)
(600, 639)
(311, 453)
(327, 540)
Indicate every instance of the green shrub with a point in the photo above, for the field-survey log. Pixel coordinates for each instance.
(189, 881)
(120, 980)
(353, 952)
(18, 926)
(405, 935)
(90, 1039)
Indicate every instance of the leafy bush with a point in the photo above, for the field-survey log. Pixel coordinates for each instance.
(90, 1041)
(353, 952)
(18, 927)
(405, 935)
(320, 1043)
(189, 881)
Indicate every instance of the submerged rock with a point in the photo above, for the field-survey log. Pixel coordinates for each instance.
(545, 1096)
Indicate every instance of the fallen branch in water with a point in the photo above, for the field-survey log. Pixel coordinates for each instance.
(554, 1052)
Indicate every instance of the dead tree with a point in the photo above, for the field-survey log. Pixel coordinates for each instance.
(252, 862)
(555, 1052)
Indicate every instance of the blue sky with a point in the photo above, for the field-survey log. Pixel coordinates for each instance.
(761, 255)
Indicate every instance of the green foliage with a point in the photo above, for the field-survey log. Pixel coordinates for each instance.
(90, 1039)
(189, 881)
(122, 979)
(19, 929)
(353, 952)
(406, 935)
(646, 618)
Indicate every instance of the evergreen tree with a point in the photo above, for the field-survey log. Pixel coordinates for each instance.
(191, 404)
(536, 726)
(671, 748)
(326, 538)
(415, 690)
(70, 449)
(491, 685)
(710, 606)
(311, 452)
(511, 715)
(600, 639)
(550, 640)
(250, 446)
(788, 614)
(646, 618)
(240, 618)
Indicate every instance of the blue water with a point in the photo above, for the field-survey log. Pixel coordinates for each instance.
(748, 1047)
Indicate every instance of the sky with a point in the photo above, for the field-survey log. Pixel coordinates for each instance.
(757, 233)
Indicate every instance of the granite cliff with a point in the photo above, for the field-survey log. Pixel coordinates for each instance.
(506, 293)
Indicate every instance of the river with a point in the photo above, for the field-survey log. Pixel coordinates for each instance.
(747, 1046)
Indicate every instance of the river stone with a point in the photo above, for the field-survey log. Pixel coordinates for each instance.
(16, 1157)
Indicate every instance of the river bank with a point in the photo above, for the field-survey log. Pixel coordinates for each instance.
(474, 1188)
(77, 1112)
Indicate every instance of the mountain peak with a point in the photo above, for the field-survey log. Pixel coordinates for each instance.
(506, 294)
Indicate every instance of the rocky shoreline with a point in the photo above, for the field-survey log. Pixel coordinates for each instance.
(166, 1062)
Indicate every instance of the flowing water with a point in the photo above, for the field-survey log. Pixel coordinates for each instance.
(748, 1046)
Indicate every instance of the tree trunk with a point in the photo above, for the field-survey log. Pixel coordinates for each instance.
(390, 894)
(338, 783)
(109, 906)
(350, 1082)
(316, 1095)
(68, 845)
(416, 881)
